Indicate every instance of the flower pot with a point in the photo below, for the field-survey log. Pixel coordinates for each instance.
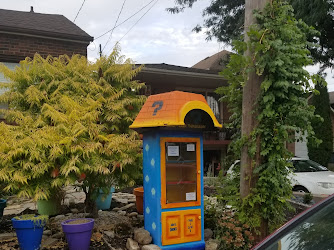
(48, 207)
(2, 206)
(29, 233)
(139, 193)
(78, 233)
(103, 200)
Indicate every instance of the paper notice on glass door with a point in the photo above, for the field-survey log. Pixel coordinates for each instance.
(191, 196)
(173, 151)
(190, 147)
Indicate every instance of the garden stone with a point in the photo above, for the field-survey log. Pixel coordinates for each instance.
(126, 206)
(6, 236)
(132, 245)
(60, 217)
(71, 201)
(74, 210)
(142, 236)
(140, 216)
(69, 214)
(123, 201)
(150, 247)
(115, 209)
(121, 212)
(211, 245)
(133, 214)
(47, 232)
(109, 234)
(83, 215)
(207, 234)
(58, 235)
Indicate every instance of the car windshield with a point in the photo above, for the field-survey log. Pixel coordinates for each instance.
(316, 232)
(307, 166)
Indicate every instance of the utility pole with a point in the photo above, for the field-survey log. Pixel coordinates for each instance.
(251, 92)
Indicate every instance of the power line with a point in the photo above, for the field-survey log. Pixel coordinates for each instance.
(138, 21)
(124, 20)
(114, 25)
(79, 10)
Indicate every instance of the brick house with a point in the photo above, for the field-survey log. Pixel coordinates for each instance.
(22, 34)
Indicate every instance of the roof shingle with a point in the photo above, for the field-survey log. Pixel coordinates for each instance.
(51, 25)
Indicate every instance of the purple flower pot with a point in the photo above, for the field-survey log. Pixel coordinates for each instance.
(78, 235)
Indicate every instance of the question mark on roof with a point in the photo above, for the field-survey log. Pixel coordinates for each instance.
(159, 104)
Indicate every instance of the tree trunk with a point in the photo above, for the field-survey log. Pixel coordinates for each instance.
(251, 91)
(90, 205)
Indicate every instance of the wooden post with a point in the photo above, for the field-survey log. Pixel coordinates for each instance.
(251, 91)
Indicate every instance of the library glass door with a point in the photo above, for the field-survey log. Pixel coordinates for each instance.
(181, 172)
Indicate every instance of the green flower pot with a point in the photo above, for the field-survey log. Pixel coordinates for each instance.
(48, 207)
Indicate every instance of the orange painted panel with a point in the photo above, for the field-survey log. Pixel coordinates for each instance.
(173, 224)
(181, 226)
(190, 225)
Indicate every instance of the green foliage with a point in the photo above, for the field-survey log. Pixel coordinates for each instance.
(224, 20)
(231, 233)
(38, 220)
(71, 122)
(322, 130)
(307, 198)
(210, 212)
(278, 44)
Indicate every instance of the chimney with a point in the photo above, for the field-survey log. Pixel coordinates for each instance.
(32, 9)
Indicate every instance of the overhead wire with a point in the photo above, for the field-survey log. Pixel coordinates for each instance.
(124, 20)
(79, 10)
(137, 21)
(114, 26)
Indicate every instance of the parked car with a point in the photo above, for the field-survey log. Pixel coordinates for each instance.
(308, 177)
(312, 229)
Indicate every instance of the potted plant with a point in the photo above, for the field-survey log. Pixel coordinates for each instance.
(139, 193)
(52, 205)
(29, 230)
(78, 232)
(104, 196)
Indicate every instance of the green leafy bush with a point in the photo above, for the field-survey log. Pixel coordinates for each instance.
(231, 233)
(68, 121)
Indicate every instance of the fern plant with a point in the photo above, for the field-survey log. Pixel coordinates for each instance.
(68, 120)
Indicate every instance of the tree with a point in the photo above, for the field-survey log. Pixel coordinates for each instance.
(225, 19)
(277, 58)
(250, 94)
(71, 123)
(323, 130)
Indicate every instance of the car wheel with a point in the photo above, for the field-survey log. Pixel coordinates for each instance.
(300, 189)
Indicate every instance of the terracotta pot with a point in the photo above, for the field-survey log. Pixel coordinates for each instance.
(139, 193)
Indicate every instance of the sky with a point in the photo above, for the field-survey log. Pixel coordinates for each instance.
(158, 37)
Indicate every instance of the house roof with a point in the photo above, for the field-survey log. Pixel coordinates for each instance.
(170, 109)
(165, 66)
(215, 62)
(50, 25)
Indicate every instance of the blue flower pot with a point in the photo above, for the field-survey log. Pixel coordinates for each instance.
(29, 233)
(103, 200)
